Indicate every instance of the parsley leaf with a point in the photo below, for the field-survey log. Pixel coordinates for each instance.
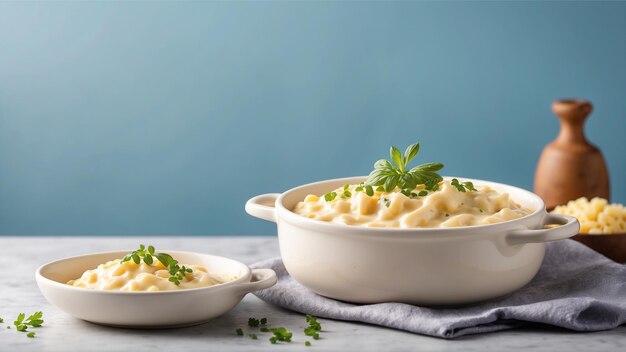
(462, 186)
(388, 176)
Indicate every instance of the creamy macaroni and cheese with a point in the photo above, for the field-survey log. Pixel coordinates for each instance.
(128, 276)
(596, 216)
(447, 207)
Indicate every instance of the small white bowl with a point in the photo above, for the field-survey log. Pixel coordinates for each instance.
(162, 309)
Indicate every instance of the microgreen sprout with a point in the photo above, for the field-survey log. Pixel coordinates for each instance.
(346, 192)
(177, 273)
(330, 196)
(462, 186)
(369, 190)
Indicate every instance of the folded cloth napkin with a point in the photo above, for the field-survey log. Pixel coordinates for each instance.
(576, 288)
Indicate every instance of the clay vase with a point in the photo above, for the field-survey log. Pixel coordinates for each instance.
(570, 167)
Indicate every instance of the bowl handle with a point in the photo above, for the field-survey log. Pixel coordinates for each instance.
(259, 279)
(262, 206)
(569, 227)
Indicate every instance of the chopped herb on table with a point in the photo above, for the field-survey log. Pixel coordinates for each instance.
(314, 327)
(22, 323)
(253, 322)
(281, 334)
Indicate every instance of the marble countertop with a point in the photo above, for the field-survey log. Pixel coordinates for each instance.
(21, 256)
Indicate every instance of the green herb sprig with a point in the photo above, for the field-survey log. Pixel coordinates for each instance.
(462, 186)
(177, 273)
(34, 320)
(388, 176)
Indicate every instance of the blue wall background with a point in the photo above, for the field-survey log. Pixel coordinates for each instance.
(164, 118)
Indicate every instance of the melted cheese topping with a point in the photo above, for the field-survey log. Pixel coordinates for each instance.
(447, 207)
(128, 276)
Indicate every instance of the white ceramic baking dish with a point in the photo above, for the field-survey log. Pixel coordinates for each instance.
(149, 309)
(425, 266)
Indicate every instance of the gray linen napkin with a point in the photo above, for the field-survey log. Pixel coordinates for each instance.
(576, 288)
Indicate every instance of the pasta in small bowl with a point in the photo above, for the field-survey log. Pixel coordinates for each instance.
(602, 225)
(148, 290)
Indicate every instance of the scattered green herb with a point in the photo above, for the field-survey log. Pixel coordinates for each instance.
(177, 273)
(263, 321)
(253, 322)
(369, 190)
(264, 329)
(388, 176)
(273, 340)
(307, 343)
(22, 323)
(462, 186)
(314, 327)
(1, 320)
(31, 334)
(253, 336)
(281, 334)
(346, 192)
(330, 196)
(239, 332)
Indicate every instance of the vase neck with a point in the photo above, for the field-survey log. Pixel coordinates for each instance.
(572, 114)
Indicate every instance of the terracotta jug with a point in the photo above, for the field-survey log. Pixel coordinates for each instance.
(570, 167)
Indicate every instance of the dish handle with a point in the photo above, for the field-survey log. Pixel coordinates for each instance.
(569, 226)
(262, 206)
(259, 279)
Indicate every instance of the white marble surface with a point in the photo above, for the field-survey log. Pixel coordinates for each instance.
(19, 257)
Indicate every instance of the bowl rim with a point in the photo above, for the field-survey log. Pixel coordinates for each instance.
(42, 279)
(289, 216)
